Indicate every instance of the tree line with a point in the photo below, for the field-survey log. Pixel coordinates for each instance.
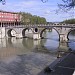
(69, 21)
(27, 18)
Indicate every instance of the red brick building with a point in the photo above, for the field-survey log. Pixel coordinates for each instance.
(9, 18)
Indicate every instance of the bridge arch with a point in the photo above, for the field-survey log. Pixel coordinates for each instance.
(48, 29)
(24, 31)
(11, 33)
(72, 29)
(36, 29)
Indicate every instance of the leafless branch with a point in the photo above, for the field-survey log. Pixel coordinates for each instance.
(44, 1)
(3, 1)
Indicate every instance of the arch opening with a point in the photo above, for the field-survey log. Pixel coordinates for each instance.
(23, 32)
(11, 33)
(71, 35)
(49, 33)
(71, 39)
(26, 32)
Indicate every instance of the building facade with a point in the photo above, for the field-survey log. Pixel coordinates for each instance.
(9, 18)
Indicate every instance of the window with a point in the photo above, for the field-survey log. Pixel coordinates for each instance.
(2, 12)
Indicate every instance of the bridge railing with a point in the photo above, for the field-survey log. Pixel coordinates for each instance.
(38, 25)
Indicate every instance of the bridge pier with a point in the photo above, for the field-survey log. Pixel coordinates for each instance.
(63, 38)
(18, 36)
(36, 36)
(2, 32)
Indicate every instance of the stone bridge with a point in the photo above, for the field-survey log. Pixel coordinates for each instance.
(36, 31)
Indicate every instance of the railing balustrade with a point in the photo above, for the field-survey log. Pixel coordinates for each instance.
(37, 25)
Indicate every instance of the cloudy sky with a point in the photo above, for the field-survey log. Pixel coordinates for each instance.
(37, 7)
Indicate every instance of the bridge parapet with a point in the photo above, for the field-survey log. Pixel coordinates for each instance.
(37, 29)
(40, 25)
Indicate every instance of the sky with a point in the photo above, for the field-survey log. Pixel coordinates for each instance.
(37, 7)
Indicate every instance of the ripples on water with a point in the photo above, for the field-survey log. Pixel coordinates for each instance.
(50, 43)
(71, 43)
(21, 57)
(28, 56)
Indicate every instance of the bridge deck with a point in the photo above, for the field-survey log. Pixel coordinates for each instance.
(41, 25)
(65, 66)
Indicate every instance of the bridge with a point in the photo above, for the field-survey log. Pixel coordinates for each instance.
(35, 31)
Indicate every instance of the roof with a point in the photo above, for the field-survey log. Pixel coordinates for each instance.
(9, 12)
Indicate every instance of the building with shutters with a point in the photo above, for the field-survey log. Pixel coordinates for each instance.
(9, 18)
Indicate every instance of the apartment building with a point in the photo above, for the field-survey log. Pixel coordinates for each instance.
(9, 18)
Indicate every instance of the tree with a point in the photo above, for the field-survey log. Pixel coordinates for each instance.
(27, 18)
(0, 0)
(3, 1)
(69, 21)
(44, 1)
(67, 5)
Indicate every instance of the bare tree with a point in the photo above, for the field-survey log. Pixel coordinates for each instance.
(65, 6)
(68, 4)
(44, 1)
(3, 1)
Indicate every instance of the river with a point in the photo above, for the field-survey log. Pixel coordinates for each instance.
(29, 57)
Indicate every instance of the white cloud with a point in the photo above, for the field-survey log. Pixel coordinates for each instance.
(47, 12)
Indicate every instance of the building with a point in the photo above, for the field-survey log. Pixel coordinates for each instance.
(9, 18)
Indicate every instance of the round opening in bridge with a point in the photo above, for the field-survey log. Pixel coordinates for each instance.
(36, 30)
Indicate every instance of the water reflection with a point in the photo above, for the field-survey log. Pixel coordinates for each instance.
(2, 43)
(71, 45)
(13, 46)
(71, 37)
(63, 46)
(27, 43)
(30, 43)
(51, 42)
(18, 57)
(28, 56)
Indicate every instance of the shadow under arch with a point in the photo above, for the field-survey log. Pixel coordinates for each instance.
(48, 29)
(70, 32)
(24, 32)
(9, 33)
(9, 41)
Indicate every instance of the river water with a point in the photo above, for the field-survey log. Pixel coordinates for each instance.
(29, 57)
